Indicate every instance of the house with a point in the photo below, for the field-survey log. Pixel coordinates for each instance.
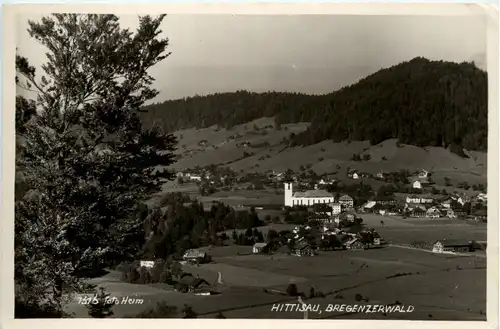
(355, 175)
(423, 174)
(417, 185)
(413, 199)
(191, 284)
(303, 249)
(355, 244)
(336, 208)
(259, 247)
(196, 256)
(459, 212)
(452, 246)
(347, 216)
(480, 215)
(346, 201)
(380, 175)
(195, 177)
(307, 198)
(446, 204)
(368, 206)
(418, 213)
(482, 197)
(450, 213)
(432, 212)
(147, 263)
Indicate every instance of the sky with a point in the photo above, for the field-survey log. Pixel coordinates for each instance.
(312, 54)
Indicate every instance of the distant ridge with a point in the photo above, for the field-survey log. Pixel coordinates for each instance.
(419, 102)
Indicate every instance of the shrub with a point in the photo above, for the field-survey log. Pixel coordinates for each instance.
(292, 290)
(160, 310)
(101, 309)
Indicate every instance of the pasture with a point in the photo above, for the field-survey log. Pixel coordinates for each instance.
(323, 157)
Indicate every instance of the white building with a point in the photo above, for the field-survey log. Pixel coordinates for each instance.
(336, 208)
(423, 174)
(347, 201)
(355, 176)
(306, 198)
(413, 199)
(482, 197)
(417, 185)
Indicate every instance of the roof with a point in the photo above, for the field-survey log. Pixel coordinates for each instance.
(413, 196)
(301, 245)
(345, 197)
(194, 253)
(192, 281)
(313, 194)
(260, 244)
(416, 205)
(369, 204)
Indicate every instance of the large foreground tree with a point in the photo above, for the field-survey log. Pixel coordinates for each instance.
(87, 162)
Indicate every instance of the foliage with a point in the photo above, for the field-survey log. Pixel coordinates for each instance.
(87, 161)
(292, 290)
(419, 102)
(101, 305)
(160, 311)
(188, 312)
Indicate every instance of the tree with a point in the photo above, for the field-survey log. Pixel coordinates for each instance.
(101, 305)
(86, 159)
(188, 312)
(292, 290)
(312, 292)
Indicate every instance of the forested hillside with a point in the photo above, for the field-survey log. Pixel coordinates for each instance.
(420, 102)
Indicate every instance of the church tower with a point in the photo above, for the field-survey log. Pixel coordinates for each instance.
(288, 193)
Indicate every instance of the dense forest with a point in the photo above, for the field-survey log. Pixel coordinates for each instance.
(419, 102)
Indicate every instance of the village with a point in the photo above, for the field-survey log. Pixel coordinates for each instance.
(326, 221)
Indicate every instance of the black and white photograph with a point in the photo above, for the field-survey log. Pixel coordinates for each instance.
(219, 165)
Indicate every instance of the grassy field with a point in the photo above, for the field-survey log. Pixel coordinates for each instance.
(440, 287)
(323, 157)
(445, 287)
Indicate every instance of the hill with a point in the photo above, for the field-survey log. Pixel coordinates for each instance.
(258, 147)
(419, 102)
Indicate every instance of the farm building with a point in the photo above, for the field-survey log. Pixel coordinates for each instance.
(191, 284)
(259, 247)
(417, 185)
(346, 201)
(303, 249)
(196, 256)
(306, 198)
(452, 246)
(355, 244)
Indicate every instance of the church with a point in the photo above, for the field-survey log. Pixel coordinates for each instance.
(306, 198)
